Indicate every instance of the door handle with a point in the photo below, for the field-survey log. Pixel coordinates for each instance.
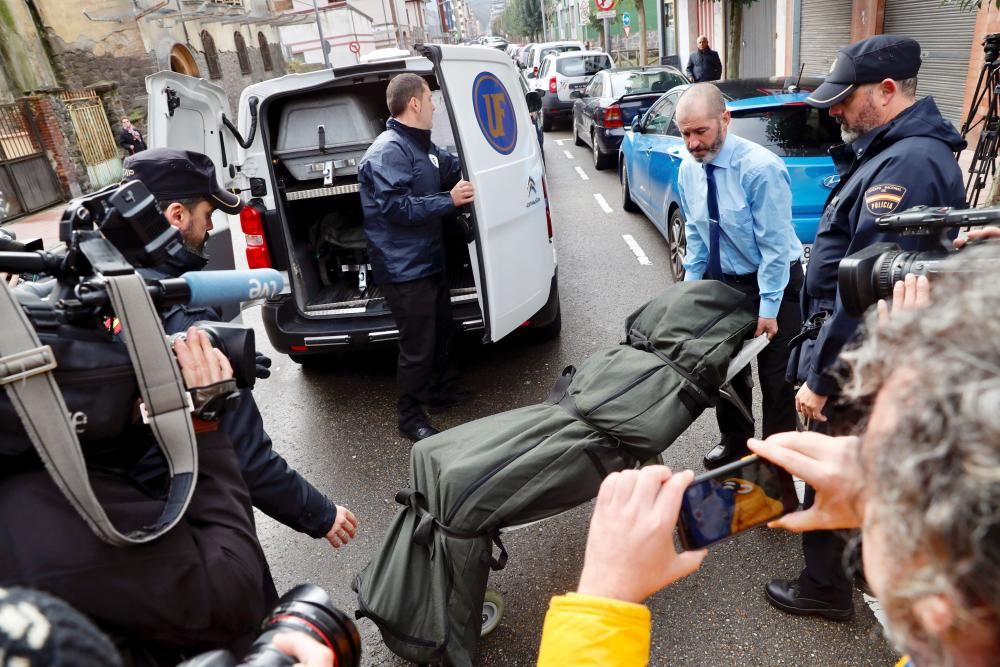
(648, 149)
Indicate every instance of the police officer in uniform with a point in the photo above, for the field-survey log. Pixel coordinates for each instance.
(898, 153)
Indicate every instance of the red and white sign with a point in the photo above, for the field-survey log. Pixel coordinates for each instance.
(627, 29)
(604, 5)
(355, 47)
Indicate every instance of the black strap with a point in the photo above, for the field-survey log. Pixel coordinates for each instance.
(810, 329)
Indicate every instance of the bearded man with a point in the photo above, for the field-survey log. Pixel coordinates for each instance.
(736, 199)
(897, 153)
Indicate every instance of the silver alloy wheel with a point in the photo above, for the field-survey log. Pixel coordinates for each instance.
(677, 244)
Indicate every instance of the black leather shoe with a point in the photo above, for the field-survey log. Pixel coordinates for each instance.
(785, 595)
(725, 452)
(417, 432)
(441, 402)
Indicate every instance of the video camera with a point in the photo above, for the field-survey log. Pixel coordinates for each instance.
(306, 608)
(109, 234)
(869, 275)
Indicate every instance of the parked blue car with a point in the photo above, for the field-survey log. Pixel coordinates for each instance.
(762, 111)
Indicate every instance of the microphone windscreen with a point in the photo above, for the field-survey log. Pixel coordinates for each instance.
(210, 288)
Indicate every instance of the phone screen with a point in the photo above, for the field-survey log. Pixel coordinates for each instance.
(738, 496)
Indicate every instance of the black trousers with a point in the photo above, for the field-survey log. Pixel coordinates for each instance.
(422, 311)
(778, 397)
(825, 575)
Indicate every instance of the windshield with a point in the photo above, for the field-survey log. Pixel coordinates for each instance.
(655, 81)
(789, 131)
(582, 65)
(556, 49)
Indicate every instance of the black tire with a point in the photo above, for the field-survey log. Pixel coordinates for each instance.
(577, 141)
(627, 203)
(548, 331)
(546, 121)
(677, 244)
(601, 160)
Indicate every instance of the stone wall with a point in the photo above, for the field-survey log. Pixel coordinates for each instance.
(22, 53)
(59, 140)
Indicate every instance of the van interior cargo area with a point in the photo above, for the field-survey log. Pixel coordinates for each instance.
(316, 143)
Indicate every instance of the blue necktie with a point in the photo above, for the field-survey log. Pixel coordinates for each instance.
(714, 270)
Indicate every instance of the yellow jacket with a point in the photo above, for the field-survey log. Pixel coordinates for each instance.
(585, 631)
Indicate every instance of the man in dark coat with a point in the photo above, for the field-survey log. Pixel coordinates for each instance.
(704, 64)
(130, 138)
(407, 186)
(184, 183)
(898, 153)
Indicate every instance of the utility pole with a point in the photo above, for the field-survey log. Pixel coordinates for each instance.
(541, 3)
(322, 40)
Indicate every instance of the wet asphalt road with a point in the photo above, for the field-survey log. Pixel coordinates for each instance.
(337, 427)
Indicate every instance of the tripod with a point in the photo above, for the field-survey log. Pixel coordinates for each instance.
(984, 157)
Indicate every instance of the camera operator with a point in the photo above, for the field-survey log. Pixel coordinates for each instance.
(184, 183)
(898, 153)
(922, 484)
(201, 585)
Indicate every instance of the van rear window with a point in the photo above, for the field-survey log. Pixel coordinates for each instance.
(557, 50)
(583, 65)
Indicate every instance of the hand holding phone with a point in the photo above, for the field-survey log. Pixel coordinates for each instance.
(832, 466)
(630, 548)
(732, 499)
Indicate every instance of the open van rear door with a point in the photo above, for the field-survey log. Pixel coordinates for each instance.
(500, 155)
(186, 113)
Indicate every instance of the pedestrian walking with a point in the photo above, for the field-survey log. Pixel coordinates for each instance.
(704, 64)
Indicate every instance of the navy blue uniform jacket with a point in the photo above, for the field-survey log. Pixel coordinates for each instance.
(704, 66)
(907, 162)
(275, 488)
(405, 181)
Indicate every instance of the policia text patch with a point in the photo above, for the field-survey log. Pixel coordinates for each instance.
(884, 199)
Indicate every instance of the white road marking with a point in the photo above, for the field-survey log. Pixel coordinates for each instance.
(636, 250)
(603, 203)
(569, 156)
(561, 141)
(583, 175)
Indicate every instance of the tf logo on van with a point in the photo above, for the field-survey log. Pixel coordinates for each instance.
(495, 113)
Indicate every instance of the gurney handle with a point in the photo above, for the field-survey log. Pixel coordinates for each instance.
(750, 350)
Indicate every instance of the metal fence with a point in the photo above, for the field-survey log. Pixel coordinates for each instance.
(101, 154)
(27, 181)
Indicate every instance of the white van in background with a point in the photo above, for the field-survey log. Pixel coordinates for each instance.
(293, 157)
(540, 51)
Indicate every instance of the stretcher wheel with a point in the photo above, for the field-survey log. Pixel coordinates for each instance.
(492, 612)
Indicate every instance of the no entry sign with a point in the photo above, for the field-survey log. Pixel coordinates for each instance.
(605, 5)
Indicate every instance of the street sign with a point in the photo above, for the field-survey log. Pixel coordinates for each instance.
(626, 20)
(606, 14)
(355, 47)
(627, 28)
(605, 5)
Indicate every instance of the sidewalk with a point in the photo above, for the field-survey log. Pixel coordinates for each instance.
(43, 225)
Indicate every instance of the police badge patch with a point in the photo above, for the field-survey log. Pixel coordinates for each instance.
(434, 160)
(884, 199)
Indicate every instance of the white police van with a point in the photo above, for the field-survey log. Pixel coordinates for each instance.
(293, 155)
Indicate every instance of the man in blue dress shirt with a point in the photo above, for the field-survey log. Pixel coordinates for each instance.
(736, 199)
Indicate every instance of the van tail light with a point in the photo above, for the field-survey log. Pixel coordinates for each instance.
(552, 85)
(534, 72)
(613, 116)
(548, 213)
(252, 223)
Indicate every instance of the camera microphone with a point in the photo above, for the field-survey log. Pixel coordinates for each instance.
(211, 288)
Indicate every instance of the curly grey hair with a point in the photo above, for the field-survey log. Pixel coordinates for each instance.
(935, 479)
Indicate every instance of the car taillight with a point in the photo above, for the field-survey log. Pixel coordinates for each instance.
(613, 116)
(252, 224)
(552, 85)
(548, 213)
(534, 72)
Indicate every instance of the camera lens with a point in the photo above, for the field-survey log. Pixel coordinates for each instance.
(308, 609)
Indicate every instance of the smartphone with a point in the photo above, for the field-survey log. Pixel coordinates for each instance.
(734, 498)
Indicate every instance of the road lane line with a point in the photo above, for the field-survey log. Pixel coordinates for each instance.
(583, 175)
(569, 156)
(561, 141)
(636, 250)
(602, 202)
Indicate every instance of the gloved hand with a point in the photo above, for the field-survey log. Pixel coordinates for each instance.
(263, 370)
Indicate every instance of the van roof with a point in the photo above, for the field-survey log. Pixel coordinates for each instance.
(577, 54)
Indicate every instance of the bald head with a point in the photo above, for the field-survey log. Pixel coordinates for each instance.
(701, 100)
(702, 120)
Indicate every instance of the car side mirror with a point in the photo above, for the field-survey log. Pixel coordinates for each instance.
(576, 94)
(637, 125)
(534, 100)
